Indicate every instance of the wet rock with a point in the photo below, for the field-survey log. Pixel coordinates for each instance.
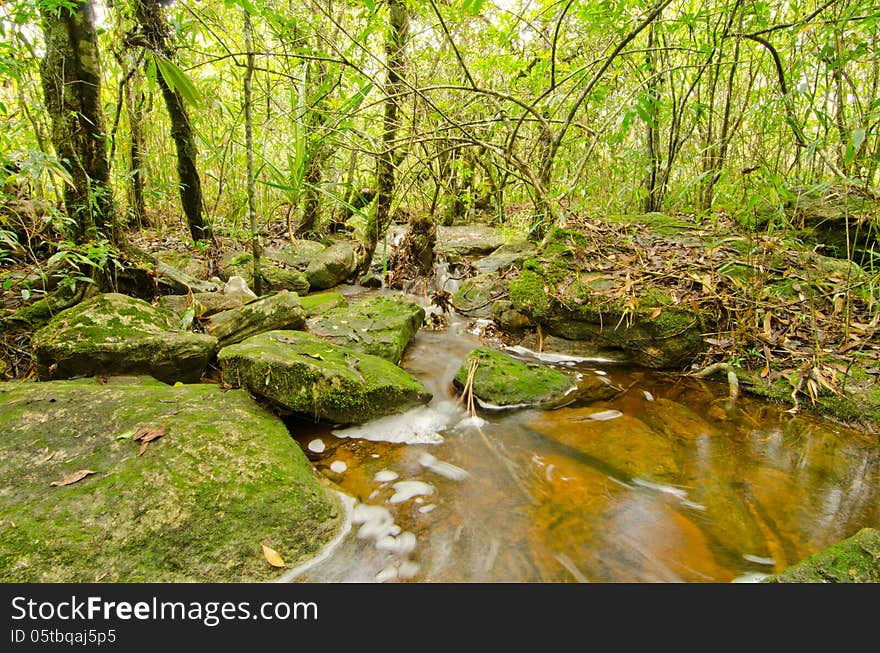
(281, 311)
(193, 507)
(508, 318)
(506, 382)
(303, 373)
(116, 334)
(476, 295)
(275, 275)
(468, 240)
(382, 326)
(333, 265)
(371, 281)
(854, 560)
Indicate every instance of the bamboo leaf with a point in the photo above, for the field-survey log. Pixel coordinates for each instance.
(177, 80)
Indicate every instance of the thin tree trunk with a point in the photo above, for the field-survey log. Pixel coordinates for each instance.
(249, 146)
(155, 30)
(71, 78)
(394, 61)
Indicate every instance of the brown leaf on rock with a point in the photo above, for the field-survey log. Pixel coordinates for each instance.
(147, 434)
(272, 556)
(73, 477)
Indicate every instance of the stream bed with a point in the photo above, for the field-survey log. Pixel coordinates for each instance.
(669, 481)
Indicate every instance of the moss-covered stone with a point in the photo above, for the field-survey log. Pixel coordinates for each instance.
(509, 254)
(504, 381)
(854, 560)
(116, 334)
(280, 311)
(322, 302)
(476, 295)
(296, 255)
(275, 275)
(303, 373)
(468, 240)
(382, 326)
(205, 303)
(333, 265)
(194, 507)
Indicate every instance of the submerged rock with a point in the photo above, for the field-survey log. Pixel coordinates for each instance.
(854, 560)
(505, 382)
(382, 326)
(332, 266)
(303, 373)
(193, 507)
(281, 311)
(117, 334)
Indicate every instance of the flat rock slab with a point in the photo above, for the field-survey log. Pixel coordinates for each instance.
(115, 334)
(382, 326)
(303, 373)
(193, 507)
(502, 381)
(280, 311)
(854, 560)
(322, 302)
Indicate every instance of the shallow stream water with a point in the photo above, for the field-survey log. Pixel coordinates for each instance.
(670, 481)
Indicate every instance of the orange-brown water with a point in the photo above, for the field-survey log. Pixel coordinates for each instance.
(678, 485)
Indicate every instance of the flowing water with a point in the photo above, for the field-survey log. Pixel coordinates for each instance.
(669, 481)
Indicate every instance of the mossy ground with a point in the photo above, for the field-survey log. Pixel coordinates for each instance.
(194, 507)
(854, 560)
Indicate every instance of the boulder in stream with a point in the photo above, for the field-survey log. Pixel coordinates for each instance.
(302, 373)
(85, 502)
(382, 326)
(502, 381)
(115, 334)
(477, 295)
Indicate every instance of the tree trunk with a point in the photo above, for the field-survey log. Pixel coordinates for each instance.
(71, 78)
(135, 105)
(155, 31)
(395, 61)
(249, 147)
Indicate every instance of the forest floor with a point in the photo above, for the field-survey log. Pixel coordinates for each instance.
(793, 325)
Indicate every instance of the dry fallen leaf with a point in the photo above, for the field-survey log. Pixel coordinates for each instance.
(272, 556)
(73, 477)
(146, 435)
(656, 312)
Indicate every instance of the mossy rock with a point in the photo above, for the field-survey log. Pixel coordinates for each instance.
(116, 334)
(854, 560)
(468, 240)
(296, 255)
(205, 303)
(322, 302)
(508, 255)
(194, 507)
(382, 326)
(303, 373)
(275, 275)
(333, 265)
(503, 381)
(651, 330)
(280, 311)
(476, 295)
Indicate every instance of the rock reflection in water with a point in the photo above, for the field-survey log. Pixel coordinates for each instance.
(678, 485)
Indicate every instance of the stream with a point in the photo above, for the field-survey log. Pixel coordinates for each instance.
(669, 481)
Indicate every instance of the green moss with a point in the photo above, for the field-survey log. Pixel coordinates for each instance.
(193, 507)
(528, 295)
(854, 560)
(320, 303)
(503, 380)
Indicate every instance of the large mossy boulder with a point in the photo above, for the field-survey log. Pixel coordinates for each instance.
(468, 240)
(854, 560)
(194, 506)
(275, 275)
(113, 334)
(649, 328)
(334, 265)
(296, 255)
(382, 326)
(302, 373)
(502, 381)
(280, 311)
